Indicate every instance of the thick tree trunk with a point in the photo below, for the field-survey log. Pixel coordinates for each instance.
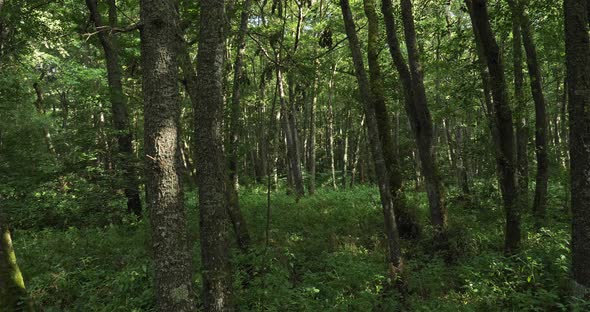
(171, 252)
(577, 47)
(211, 170)
(125, 156)
(394, 256)
(505, 154)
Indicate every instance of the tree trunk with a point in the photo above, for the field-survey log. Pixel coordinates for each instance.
(125, 156)
(211, 170)
(40, 106)
(238, 221)
(292, 153)
(505, 154)
(394, 256)
(13, 294)
(171, 252)
(540, 202)
(577, 50)
(311, 150)
(522, 132)
(406, 221)
(417, 110)
(330, 133)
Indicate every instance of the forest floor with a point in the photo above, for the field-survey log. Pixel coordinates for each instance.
(325, 253)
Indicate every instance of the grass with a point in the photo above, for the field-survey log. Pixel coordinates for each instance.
(326, 253)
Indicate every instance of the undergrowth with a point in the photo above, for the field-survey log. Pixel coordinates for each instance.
(325, 253)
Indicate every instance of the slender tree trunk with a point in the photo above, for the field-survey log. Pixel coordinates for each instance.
(522, 132)
(357, 150)
(171, 252)
(238, 221)
(540, 202)
(234, 124)
(394, 256)
(311, 150)
(417, 110)
(506, 157)
(331, 126)
(406, 221)
(292, 153)
(577, 50)
(125, 156)
(211, 170)
(346, 148)
(40, 106)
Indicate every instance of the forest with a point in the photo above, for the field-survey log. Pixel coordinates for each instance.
(294, 155)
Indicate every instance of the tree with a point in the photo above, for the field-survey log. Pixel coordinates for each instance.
(535, 78)
(240, 227)
(417, 109)
(577, 48)
(211, 165)
(505, 154)
(118, 101)
(12, 286)
(394, 256)
(171, 253)
(407, 223)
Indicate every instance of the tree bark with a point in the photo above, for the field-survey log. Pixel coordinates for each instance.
(505, 146)
(394, 256)
(211, 170)
(171, 252)
(577, 49)
(118, 104)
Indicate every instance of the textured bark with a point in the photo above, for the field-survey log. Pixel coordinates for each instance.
(394, 256)
(417, 109)
(171, 253)
(577, 47)
(505, 146)
(406, 221)
(13, 294)
(211, 165)
(125, 157)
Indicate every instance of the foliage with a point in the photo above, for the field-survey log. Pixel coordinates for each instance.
(325, 254)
